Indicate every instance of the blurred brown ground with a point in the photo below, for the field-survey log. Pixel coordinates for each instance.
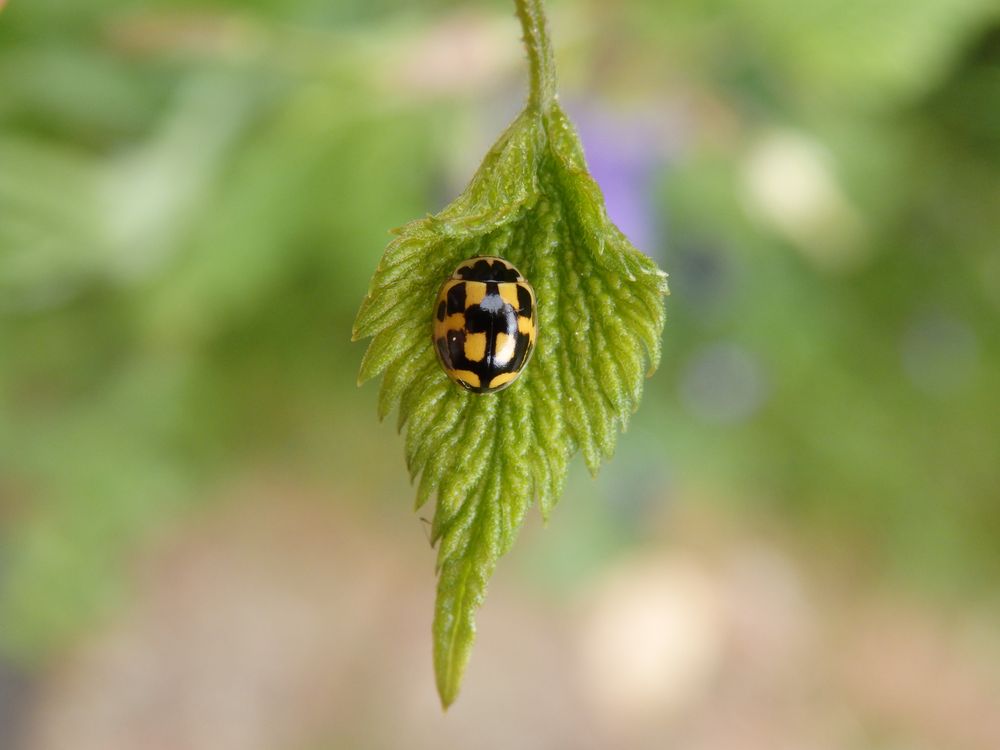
(280, 620)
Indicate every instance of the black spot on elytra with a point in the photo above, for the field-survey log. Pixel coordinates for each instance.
(456, 299)
(478, 320)
(520, 352)
(523, 301)
(454, 357)
(442, 309)
(442, 347)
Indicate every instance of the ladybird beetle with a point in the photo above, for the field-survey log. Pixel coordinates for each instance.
(484, 324)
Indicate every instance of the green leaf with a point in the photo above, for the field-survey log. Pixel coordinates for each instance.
(600, 316)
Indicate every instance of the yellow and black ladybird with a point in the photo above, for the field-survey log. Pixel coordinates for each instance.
(484, 324)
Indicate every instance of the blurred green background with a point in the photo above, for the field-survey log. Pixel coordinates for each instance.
(206, 535)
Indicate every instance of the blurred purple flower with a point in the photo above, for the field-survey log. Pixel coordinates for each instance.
(625, 154)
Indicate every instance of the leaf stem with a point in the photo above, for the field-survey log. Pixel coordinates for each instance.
(542, 66)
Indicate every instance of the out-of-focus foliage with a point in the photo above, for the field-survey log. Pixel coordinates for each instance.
(851, 249)
(192, 197)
